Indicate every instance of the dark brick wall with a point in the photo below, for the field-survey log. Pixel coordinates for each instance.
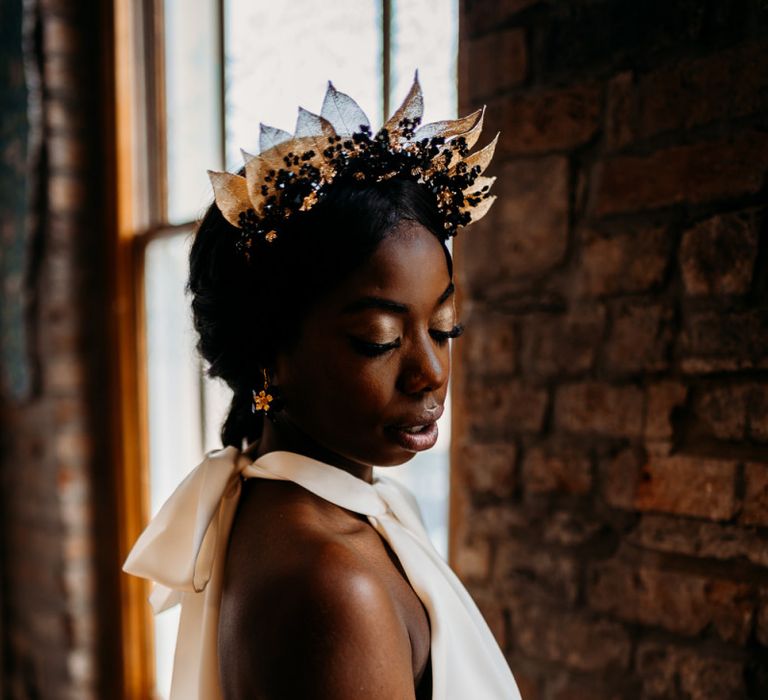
(611, 437)
(60, 630)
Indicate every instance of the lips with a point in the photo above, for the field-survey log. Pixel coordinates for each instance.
(416, 432)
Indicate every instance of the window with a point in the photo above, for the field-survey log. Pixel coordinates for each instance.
(207, 72)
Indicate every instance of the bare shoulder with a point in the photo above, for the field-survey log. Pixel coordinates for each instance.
(319, 625)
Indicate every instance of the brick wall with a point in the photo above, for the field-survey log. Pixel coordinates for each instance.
(58, 640)
(611, 437)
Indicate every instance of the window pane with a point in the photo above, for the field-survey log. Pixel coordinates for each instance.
(193, 104)
(281, 55)
(425, 36)
(173, 374)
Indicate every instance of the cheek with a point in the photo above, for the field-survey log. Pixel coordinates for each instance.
(337, 392)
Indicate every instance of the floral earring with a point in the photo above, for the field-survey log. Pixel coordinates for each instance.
(263, 399)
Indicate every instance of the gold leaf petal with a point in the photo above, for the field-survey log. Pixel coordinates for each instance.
(448, 128)
(473, 134)
(478, 186)
(255, 169)
(342, 112)
(478, 212)
(412, 108)
(481, 157)
(231, 194)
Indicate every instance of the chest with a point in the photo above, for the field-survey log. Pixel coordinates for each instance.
(383, 559)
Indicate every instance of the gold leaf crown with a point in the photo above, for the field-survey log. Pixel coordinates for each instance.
(292, 171)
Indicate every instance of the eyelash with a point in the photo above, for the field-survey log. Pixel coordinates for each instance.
(374, 349)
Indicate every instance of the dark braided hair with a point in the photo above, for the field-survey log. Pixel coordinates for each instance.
(247, 312)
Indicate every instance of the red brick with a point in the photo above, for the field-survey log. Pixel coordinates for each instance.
(717, 256)
(66, 194)
(639, 339)
(473, 560)
(566, 687)
(489, 468)
(561, 344)
(696, 91)
(602, 409)
(620, 110)
(552, 570)
(575, 640)
(625, 263)
(502, 57)
(755, 509)
(662, 399)
(490, 344)
(65, 116)
(713, 341)
(693, 173)
(698, 538)
(563, 472)
(504, 409)
(761, 627)
(493, 613)
(757, 415)
(721, 410)
(693, 92)
(61, 35)
(62, 74)
(671, 672)
(551, 120)
(495, 520)
(66, 153)
(530, 219)
(528, 685)
(683, 603)
(567, 528)
(694, 486)
(733, 411)
(64, 375)
(73, 447)
(482, 15)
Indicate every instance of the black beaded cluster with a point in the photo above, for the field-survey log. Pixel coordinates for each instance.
(365, 158)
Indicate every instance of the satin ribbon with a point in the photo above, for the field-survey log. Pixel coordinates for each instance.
(182, 551)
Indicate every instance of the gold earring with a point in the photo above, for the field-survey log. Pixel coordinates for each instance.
(263, 399)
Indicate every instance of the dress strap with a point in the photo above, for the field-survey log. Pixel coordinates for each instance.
(324, 480)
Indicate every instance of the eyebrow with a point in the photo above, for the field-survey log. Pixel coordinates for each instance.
(373, 302)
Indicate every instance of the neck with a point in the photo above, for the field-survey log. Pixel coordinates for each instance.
(284, 435)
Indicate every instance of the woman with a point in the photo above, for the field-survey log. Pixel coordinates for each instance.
(323, 295)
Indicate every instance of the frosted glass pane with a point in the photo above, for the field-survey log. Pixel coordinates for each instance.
(173, 374)
(280, 55)
(193, 104)
(425, 36)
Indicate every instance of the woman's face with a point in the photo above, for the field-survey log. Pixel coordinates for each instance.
(374, 357)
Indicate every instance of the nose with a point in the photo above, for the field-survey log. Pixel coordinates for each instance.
(425, 367)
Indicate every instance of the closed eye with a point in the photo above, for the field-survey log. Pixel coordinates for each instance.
(372, 349)
(443, 336)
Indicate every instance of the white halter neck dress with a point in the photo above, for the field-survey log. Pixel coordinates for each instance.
(183, 547)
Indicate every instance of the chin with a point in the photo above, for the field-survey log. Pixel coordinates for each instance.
(394, 457)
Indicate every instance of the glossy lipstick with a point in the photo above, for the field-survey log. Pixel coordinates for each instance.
(425, 437)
